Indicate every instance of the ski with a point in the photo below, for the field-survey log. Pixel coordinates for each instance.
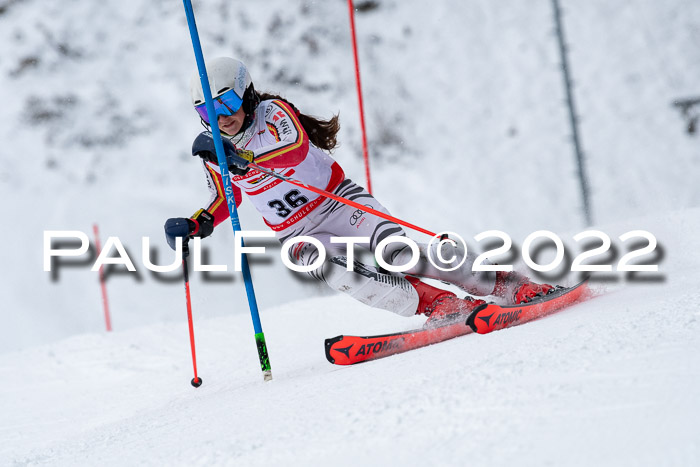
(348, 350)
(491, 317)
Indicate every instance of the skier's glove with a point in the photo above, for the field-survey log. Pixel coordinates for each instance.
(205, 223)
(237, 160)
(199, 225)
(179, 227)
(238, 163)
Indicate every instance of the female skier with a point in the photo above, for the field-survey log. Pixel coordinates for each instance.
(270, 131)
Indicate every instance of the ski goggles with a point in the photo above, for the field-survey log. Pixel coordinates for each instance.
(226, 104)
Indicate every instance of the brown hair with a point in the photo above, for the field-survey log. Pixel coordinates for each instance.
(322, 133)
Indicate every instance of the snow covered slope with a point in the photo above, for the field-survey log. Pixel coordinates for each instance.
(465, 114)
(467, 131)
(611, 381)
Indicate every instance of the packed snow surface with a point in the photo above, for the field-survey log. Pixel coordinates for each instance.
(610, 381)
(465, 110)
(467, 132)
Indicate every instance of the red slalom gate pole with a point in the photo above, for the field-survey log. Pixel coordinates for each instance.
(365, 152)
(103, 286)
(196, 381)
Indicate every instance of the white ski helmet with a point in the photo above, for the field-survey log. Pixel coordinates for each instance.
(226, 74)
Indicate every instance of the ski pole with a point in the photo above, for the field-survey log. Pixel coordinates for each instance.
(228, 189)
(196, 381)
(330, 195)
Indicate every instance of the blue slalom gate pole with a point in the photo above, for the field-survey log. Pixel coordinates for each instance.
(228, 189)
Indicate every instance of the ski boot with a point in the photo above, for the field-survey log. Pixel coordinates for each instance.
(441, 306)
(518, 288)
(531, 290)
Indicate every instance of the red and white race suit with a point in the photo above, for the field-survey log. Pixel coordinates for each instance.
(279, 142)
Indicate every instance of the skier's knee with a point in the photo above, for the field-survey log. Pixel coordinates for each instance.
(303, 253)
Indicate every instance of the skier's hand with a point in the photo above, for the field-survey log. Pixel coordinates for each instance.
(205, 223)
(238, 163)
(203, 146)
(179, 227)
(199, 225)
(237, 160)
